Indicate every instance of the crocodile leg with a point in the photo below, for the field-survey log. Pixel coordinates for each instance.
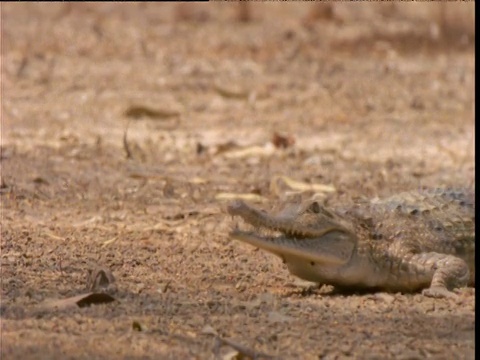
(449, 272)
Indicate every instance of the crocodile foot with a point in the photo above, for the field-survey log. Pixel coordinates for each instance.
(439, 293)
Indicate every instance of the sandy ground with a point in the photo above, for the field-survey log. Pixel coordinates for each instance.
(369, 100)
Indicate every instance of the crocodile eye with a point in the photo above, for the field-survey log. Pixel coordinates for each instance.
(315, 207)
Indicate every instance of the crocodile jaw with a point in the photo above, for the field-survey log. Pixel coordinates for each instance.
(294, 222)
(285, 247)
(312, 245)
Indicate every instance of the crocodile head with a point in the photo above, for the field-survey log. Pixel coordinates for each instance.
(310, 239)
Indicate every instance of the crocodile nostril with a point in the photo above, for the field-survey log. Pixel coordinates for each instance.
(235, 206)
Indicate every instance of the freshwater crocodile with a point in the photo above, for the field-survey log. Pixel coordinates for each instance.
(421, 240)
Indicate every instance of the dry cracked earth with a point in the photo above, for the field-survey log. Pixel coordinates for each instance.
(126, 129)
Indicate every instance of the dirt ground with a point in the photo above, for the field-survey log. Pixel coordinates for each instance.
(126, 130)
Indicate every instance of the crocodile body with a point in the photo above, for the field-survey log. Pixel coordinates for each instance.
(421, 240)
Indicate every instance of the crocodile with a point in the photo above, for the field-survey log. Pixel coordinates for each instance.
(419, 240)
